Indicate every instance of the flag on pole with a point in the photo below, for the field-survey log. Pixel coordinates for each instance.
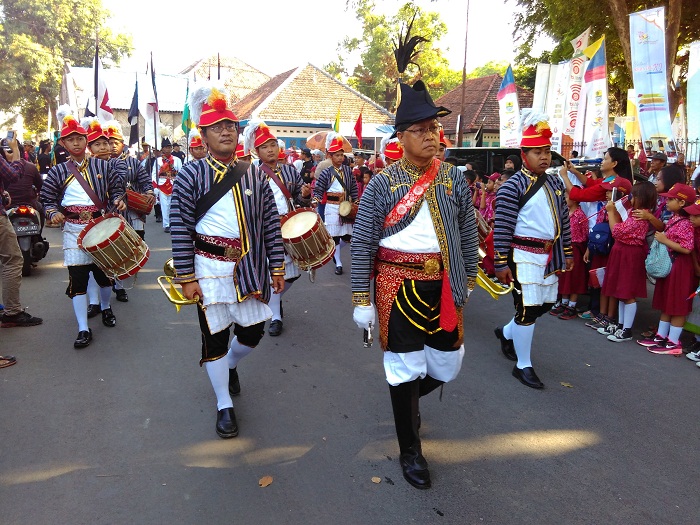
(581, 42)
(509, 111)
(596, 135)
(88, 112)
(187, 124)
(153, 80)
(218, 67)
(104, 112)
(336, 124)
(358, 130)
(134, 115)
(148, 107)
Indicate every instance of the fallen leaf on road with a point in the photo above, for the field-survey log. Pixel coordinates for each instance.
(567, 385)
(376, 479)
(265, 481)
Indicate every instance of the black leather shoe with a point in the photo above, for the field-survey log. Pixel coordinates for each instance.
(159, 219)
(166, 229)
(84, 339)
(506, 345)
(415, 469)
(339, 270)
(108, 318)
(234, 385)
(275, 328)
(226, 426)
(93, 310)
(122, 296)
(527, 377)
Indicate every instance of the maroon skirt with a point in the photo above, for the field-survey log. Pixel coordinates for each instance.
(575, 281)
(671, 293)
(625, 275)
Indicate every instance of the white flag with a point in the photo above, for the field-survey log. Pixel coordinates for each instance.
(148, 107)
(104, 112)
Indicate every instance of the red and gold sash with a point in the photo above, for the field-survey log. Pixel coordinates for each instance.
(413, 195)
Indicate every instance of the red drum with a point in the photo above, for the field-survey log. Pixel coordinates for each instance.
(306, 239)
(114, 246)
(138, 202)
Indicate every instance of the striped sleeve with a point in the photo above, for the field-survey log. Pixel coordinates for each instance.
(182, 224)
(505, 219)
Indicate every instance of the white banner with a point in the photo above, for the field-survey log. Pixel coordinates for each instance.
(581, 42)
(578, 66)
(679, 129)
(539, 99)
(556, 104)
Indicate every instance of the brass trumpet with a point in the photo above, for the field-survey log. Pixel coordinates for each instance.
(171, 292)
(493, 288)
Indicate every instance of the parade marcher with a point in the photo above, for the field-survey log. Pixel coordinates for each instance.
(416, 233)
(164, 171)
(391, 150)
(73, 193)
(532, 241)
(444, 144)
(226, 245)
(337, 184)
(197, 148)
(287, 186)
(136, 179)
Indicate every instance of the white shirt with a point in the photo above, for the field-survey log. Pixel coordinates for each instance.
(417, 237)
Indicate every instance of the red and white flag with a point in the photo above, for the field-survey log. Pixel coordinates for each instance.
(148, 107)
(104, 112)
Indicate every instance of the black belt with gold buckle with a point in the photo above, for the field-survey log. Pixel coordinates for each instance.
(429, 267)
(230, 252)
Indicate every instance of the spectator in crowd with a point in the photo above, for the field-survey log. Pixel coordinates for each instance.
(307, 165)
(658, 161)
(44, 157)
(177, 152)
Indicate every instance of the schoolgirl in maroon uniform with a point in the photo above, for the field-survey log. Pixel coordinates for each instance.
(574, 282)
(625, 275)
(672, 292)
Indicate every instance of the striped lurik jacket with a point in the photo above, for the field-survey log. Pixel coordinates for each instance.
(506, 218)
(258, 222)
(136, 175)
(325, 179)
(106, 180)
(456, 219)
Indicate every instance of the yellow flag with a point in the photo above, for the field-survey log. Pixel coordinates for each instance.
(594, 47)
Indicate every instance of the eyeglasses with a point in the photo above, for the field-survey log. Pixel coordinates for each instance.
(420, 132)
(218, 128)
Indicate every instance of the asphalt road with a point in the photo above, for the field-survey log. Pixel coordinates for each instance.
(123, 432)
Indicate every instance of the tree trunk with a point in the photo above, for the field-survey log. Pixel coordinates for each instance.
(620, 17)
(673, 23)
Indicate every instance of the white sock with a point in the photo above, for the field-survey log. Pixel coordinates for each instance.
(621, 306)
(218, 375)
(572, 304)
(236, 352)
(336, 255)
(565, 302)
(93, 290)
(522, 340)
(118, 285)
(105, 296)
(274, 304)
(697, 337)
(80, 306)
(664, 327)
(674, 335)
(508, 329)
(630, 313)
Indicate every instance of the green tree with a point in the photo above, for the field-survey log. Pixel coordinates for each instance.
(377, 75)
(36, 37)
(563, 21)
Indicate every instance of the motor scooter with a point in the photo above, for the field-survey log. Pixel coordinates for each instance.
(26, 221)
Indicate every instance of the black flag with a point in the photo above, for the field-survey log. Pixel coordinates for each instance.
(134, 116)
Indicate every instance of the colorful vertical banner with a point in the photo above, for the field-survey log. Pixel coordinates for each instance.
(693, 100)
(556, 104)
(573, 98)
(632, 134)
(509, 111)
(596, 135)
(648, 41)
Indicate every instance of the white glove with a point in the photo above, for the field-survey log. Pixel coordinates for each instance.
(364, 315)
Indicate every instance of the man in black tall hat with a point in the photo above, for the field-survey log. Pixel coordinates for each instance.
(416, 228)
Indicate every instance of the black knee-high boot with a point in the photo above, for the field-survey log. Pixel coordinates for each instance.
(404, 401)
(428, 384)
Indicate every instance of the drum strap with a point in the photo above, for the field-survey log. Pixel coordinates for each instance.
(339, 178)
(84, 184)
(221, 188)
(282, 186)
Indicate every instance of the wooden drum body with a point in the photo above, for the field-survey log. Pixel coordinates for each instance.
(306, 239)
(114, 246)
(138, 203)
